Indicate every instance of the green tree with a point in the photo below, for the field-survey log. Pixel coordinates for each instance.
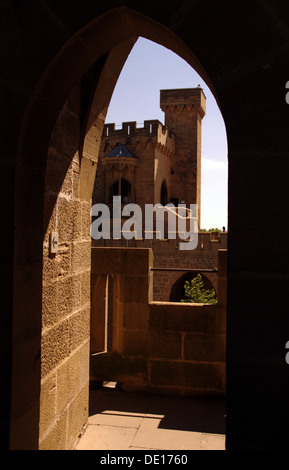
(196, 293)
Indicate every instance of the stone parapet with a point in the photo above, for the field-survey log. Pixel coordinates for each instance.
(152, 130)
(183, 100)
(157, 347)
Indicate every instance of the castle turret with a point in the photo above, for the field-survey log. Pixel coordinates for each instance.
(184, 110)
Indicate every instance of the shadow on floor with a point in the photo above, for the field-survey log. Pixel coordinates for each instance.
(175, 413)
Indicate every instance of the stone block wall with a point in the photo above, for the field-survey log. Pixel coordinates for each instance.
(132, 292)
(167, 348)
(187, 349)
(66, 290)
(167, 255)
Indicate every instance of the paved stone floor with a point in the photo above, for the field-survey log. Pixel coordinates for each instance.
(123, 421)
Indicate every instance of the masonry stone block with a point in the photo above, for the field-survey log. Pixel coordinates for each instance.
(55, 346)
(77, 416)
(135, 315)
(194, 375)
(75, 182)
(69, 219)
(165, 344)
(61, 179)
(85, 221)
(56, 438)
(85, 287)
(205, 347)
(80, 256)
(121, 261)
(49, 304)
(134, 289)
(48, 403)
(135, 343)
(114, 367)
(84, 351)
(183, 317)
(57, 265)
(67, 382)
(79, 328)
(66, 132)
(69, 297)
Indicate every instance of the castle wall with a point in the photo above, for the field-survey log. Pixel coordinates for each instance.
(152, 144)
(204, 257)
(168, 255)
(66, 290)
(159, 347)
(162, 173)
(168, 153)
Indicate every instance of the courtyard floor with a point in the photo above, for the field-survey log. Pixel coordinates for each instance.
(123, 421)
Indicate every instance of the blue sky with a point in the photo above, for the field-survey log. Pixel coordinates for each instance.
(150, 68)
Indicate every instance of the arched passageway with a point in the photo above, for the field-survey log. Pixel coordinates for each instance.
(58, 80)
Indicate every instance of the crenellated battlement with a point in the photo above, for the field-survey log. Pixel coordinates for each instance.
(152, 132)
(151, 128)
(183, 100)
(168, 156)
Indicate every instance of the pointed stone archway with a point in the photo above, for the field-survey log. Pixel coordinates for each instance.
(244, 67)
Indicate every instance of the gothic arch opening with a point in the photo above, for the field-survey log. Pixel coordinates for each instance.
(159, 164)
(135, 104)
(132, 101)
(62, 287)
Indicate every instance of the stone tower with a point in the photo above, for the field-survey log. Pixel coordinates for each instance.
(184, 110)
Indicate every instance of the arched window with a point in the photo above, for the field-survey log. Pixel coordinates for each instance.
(121, 188)
(164, 194)
(178, 291)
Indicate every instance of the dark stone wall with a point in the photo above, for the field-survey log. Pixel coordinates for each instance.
(243, 50)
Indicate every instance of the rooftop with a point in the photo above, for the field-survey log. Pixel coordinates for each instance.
(120, 151)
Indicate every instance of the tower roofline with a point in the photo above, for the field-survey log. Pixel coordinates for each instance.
(172, 99)
(184, 90)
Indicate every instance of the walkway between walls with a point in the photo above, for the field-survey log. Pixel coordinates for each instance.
(123, 421)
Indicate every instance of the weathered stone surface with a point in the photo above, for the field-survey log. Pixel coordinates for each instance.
(181, 346)
(114, 367)
(165, 344)
(183, 317)
(195, 375)
(205, 347)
